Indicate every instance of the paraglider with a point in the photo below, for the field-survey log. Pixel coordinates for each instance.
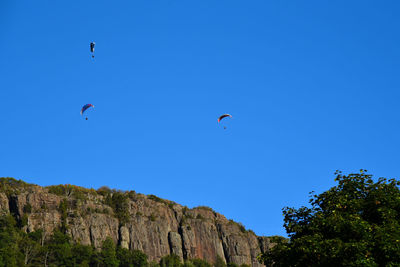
(222, 117)
(84, 108)
(92, 44)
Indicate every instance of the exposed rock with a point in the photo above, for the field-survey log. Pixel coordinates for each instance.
(265, 243)
(124, 237)
(4, 207)
(175, 243)
(155, 226)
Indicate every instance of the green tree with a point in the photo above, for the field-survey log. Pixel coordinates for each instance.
(356, 223)
(96, 259)
(82, 254)
(108, 253)
(10, 254)
(63, 209)
(118, 201)
(200, 263)
(29, 248)
(170, 261)
(59, 249)
(154, 264)
(134, 258)
(188, 263)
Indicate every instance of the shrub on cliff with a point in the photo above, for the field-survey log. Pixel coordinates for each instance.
(119, 203)
(10, 185)
(104, 190)
(170, 204)
(129, 258)
(170, 261)
(200, 263)
(356, 223)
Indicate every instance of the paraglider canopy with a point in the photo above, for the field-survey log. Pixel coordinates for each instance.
(224, 116)
(85, 107)
(92, 44)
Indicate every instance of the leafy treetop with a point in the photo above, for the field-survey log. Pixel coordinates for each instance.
(356, 223)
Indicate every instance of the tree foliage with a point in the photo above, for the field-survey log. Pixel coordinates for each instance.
(356, 223)
(108, 253)
(131, 258)
(118, 201)
(200, 263)
(170, 261)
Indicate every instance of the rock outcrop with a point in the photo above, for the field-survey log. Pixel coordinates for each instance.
(155, 226)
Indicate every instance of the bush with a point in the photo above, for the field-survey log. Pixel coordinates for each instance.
(156, 199)
(132, 195)
(104, 190)
(10, 185)
(56, 190)
(241, 227)
(170, 261)
(63, 208)
(153, 264)
(24, 221)
(204, 208)
(27, 208)
(188, 263)
(199, 217)
(200, 263)
(118, 201)
(131, 258)
(77, 192)
(251, 232)
(170, 204)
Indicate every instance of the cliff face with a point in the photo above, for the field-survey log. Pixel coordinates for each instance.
(155, 226)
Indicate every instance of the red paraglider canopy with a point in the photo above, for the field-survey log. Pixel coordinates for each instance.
(224, 116)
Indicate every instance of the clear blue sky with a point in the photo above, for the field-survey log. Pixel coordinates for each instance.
(312, 87)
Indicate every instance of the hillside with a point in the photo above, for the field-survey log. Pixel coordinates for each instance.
(134, 221)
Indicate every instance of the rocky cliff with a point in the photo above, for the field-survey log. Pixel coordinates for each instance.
(135, 221)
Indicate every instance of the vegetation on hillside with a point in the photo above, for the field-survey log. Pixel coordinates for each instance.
(356, 223)
(18, 248)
